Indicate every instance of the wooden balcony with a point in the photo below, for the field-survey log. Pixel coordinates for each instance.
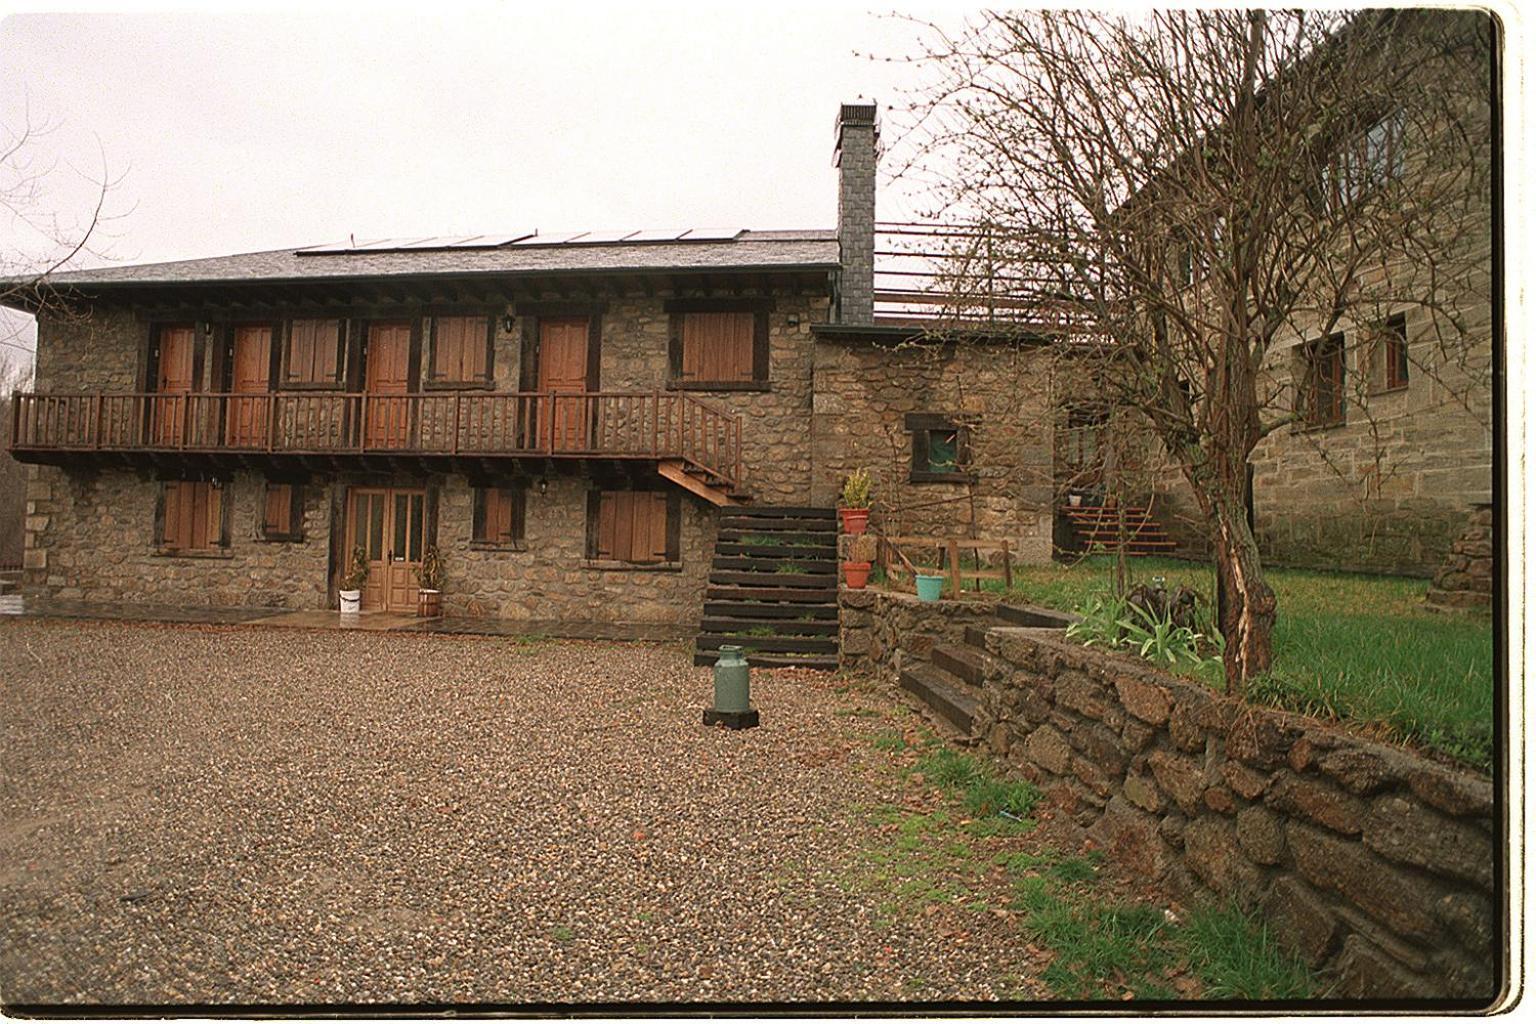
(327, 430)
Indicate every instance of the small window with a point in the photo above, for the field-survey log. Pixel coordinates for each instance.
(719, 344)
(191, 517)
(1394, 351)
(282, 512)
(1083, 438)
(1366, 163)
(498, 517)
(940, 448)
(639, 527)
(1323, 386)
(313, 356)
(461, 350)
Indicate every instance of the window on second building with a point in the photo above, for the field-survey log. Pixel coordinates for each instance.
(1389, 353)
(191, 517)
(1322, 393)
(1367, 162)
(461, 350)
(282, 512)
(313, 356)
(639, 527)
(725, 347)
(941, 448)
(499, 517)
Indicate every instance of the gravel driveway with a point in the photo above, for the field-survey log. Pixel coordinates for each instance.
(239, 814)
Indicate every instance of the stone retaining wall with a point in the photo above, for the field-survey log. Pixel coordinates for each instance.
(1375, 865)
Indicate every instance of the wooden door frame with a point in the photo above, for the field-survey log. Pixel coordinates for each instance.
(389, 490)
(532, 313)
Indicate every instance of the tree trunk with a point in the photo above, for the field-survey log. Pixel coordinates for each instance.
(1248, 613)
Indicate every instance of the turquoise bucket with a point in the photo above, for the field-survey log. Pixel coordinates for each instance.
(929, 587)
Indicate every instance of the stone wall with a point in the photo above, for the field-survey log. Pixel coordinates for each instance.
(863, 391)
(1465, 578)
(551, 578)
(1375, 865)
(91, 537)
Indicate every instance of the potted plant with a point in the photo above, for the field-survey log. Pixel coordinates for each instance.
(861, 554)
(351, 592)
(855, 503)
(429, 599)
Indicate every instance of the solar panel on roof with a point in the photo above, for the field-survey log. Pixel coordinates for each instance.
(655, 235)
(709, 234)
(604, 237)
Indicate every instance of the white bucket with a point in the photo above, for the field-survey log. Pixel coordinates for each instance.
(351, 601)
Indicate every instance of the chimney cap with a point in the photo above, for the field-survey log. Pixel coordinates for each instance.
(863, 112)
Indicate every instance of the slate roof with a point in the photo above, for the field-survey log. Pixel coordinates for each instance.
(747, 251)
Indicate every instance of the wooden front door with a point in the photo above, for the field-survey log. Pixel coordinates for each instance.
(390, 525)
(563, 354)
(173, 383)
(245, 425)
(388, 383)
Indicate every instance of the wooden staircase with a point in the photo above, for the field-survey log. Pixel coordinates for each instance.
(773, 587)
(1097, 526)
(697, 480)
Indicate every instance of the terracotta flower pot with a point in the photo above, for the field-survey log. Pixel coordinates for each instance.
(854, 520)
(856, 574)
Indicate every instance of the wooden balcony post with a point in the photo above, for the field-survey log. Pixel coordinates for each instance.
(458, 399)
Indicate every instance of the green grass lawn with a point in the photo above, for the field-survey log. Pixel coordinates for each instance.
(1347, 645)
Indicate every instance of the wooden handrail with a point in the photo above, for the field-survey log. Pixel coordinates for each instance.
(628, 424)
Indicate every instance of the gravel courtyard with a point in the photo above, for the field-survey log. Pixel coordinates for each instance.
(235, 814)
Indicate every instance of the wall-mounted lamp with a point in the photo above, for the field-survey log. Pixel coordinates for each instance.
(543, 486)
(508, 321)
(206, 326)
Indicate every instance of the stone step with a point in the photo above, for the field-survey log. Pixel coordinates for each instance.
(795, 595)
(976, 635)
(1034, 616)
(734, 550)
(962, 661)
(775, 627)
(760, 610)
(780, 644)
(777, 538)
(777, 580)
(812, 512)
(824, 662)
(942, 692)
(772, 566)
(734, 520)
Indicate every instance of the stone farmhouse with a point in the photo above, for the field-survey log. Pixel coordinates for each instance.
(587, 427)
(641, 427)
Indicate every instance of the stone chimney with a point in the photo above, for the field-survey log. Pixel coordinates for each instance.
(855, 156)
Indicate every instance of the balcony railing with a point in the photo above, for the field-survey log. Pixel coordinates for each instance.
(599, 424)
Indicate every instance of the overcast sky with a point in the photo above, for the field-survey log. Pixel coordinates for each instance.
(241, 132)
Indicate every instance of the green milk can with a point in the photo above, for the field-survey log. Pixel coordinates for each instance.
(733, 691)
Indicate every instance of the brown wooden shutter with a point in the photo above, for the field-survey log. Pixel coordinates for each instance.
(459, 349)
(718, 347)
(281, 512)
(314, 352)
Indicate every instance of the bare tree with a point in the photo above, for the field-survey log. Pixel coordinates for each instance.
(40, 238)
(1176, 198)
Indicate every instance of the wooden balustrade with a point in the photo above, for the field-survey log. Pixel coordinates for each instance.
(653, 425)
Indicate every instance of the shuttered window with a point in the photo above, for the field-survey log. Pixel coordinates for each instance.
(191, 516)
(313, 355)
(633, 526)
(282, 515)
(717, 347)
(1395, 351)
(460, 350)
(498, 516)
(1323, 393)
